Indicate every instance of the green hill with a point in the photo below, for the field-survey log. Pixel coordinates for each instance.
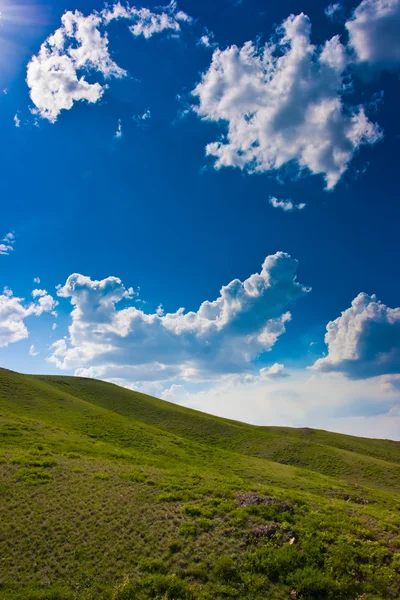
(109, 494)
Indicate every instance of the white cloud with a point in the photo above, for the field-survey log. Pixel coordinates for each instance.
(56, 76)
(276, 371)
(7, 244)
(54, 326)
(17, 121)
(364, 341)
(118, 134)
(207, 40)
(77, 46)
(374, 33)
(222, 336)
(32, 351)
(147, 22)
(323, 401)
(286, 205)
(36, 280)
(141, 120)
(13, 313)
(333, 10)
(283, 104)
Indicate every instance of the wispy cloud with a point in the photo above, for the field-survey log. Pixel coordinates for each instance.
(286, 205)
(118, 134)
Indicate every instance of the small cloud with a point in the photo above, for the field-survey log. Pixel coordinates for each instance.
(118, 134)
(36, 280)
(334, 11)
(141, 120)
(54, 326)
(6, 244)
(17, 121)
(286, 205)
(276, 371)
(32, 351)
(207, 40)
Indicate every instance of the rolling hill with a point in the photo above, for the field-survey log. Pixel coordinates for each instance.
(109, 494)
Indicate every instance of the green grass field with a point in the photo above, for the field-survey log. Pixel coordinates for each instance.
(108, 494)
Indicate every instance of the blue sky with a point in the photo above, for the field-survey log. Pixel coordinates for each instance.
(172, 150)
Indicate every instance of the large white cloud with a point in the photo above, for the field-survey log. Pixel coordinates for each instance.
(56, 76)
(364, 341)
(52, 75)
(13, 312)
(222, 336)
(374, 33)
(283, 104)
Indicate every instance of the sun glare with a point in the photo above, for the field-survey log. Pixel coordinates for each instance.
(16, 14)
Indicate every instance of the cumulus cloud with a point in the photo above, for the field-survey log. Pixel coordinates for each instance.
(364, 341)
(14, 311)
(52, 76)
(17, 121)
(374, 33)
(286, 205)
(56, 76)
(7, 244)
(282, 104)
(222, 336)
(36, 280)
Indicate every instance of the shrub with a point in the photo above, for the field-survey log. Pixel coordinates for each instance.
(33, 476)
(152, 565)
(175, 546)
(169, 586)
(225, 568)
(127, 590)
(102, 476)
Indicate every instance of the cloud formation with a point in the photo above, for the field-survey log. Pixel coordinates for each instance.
(7, 244)
(364, 341)
(56, 76)
(222, 336)
(374, 33)
(323, 400)
(286, 205)
(333, 10)
(276, 371)
(32, 351)
(146, 22)
(283, 104)
(13, 313)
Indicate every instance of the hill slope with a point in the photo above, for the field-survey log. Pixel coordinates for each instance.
(111, 494)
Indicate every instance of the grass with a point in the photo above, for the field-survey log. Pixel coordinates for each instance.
(109, 494)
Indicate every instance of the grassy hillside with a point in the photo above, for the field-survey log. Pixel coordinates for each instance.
(109, 494)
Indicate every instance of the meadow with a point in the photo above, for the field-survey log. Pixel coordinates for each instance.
(108, 494)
